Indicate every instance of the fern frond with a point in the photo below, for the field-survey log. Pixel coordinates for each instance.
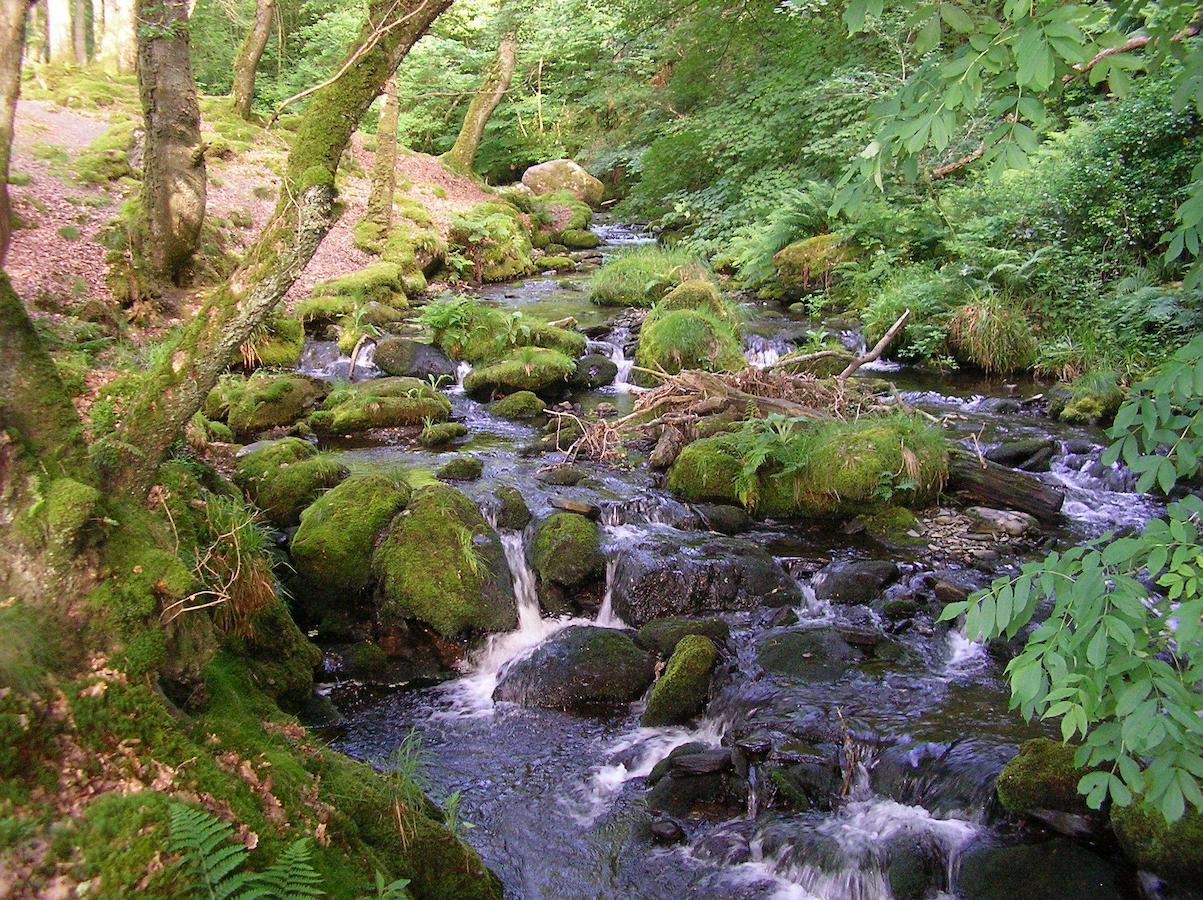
(290, 878)
(207, 852)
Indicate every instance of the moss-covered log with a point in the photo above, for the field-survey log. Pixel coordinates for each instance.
(249, 54)
(177, 387)
(494, 83)
(173, 177)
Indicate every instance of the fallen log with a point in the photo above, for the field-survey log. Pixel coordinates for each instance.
(997, 485)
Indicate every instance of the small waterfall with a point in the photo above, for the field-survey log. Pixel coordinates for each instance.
(964, 655)
(812, 610)
(763, 352)
(461, 372)
(322, 359)
(613, 349)
(606, 617)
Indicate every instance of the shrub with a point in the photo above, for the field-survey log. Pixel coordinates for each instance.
(992, 334)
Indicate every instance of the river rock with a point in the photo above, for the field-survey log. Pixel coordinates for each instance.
(405, 356)
(1029, 454)
(580, 507)
(1052, 869)
(680, 693)
(854, 582)
(662, 635)
(1174, 852)
(512, 512)
(723, 518)
(593, 371)
(283, 477)
(564, 175)
(812, 784)
(814, 654)
(566, 550)
(1001, 521)
(562, 476)
(693, 775)
(657, 576)
(577, 669)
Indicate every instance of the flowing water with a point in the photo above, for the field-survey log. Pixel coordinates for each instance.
(920, 724)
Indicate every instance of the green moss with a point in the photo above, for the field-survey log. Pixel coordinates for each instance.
(461, 468)
(70, 505)
(543, 372)
(567, 550)
(893, 525)
(812, 262)
(563, 210)
(1042, 776)
(278, 657)
(495, 237)
(641, 276)
(699, 294)
(663, 635)
(556, 263)
(380, 403)
(264, 400)
(680, 693)
(380, 281)
(107, 158)
(512, 513)
(1175, 852)
(1094, 397)
(285, 476)
(32, 646)
(831, 468)
(579, 239)
(521, 405)
(324, 310)
(443, 565)
(332, 549)
(439, 435)
(277, 343)
(674, 340)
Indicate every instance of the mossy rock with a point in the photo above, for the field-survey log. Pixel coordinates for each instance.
(278, 656)
(680, 693)
(1094, 398)
(461, 468)
(543, 372)
(564, 175)
(405, 356)
(380, 281)
(565, 340)
(810, 263)
(495, 236)
(1042, 776)
(317, 313)
(567, 550)
(823, 364)
(594, 371)
(332, 549)
(579, 239)
(283, 477)
(565, 210)
(442, 434)
(837, 469)
(107, 158)
(512, 512)
(264, 400)
(443, 565)
(380, 403)
(277, 343)
(521, 405)
(1175, 852)
(663, 635)
(696, 293)
(674, 340)
(555, 263)
(894, 526)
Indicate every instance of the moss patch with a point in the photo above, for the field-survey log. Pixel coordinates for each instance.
(567, 550)
(678, 339)
(379, 281)
(276, 343)
(810, 263)
(641, 276)
(441, 435)
(461, 468)
(520, 405)
(284, 477)
(1042, 776)
(1175, 852)
(543, 372)
(264, 400)
(680, 693)
(380, 403)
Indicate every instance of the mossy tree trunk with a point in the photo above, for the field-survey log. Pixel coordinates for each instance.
(97, 27)
(79, 31)
(495, 83)
(384, 167)
(177, 387)
(13, 14)
(249, 54)
(173, 176)
(119, 45)
(58, 31)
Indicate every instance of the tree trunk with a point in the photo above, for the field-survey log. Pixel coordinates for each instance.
(384, 168)
(79, 31)
(58, 31)
(495, 83)
(119, 46)
(247, 61)
(173, 175)
(97, 27)
(12, 45)
(1000, 486)
(177, 387)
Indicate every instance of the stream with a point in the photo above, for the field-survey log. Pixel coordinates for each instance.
(919, 722)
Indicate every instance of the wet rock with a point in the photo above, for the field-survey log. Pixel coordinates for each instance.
(854, 582)
(656, 576)
(666, 831)
(379, 403)
(535, 369)
(442, 434)
(723, 518)
(593, 371)
(660, 769)
(512, 512)
(605, 410)
(1031, 454)
(668, 447)
(405, 356)
(562, 476)
(577, 669)
(580, 507)
(461, 468)
(1042, 776)
(680, 693)
(950, 589)
(662, 635)
(690, 778)
(700, 762)
(1002, 521)
(810, 654)
(915, 866)
(566, 550)
(1174, 852)
(521, 406)
(1054, 869)
(813, 784)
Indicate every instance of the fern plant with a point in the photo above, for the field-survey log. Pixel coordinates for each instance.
(214, 863)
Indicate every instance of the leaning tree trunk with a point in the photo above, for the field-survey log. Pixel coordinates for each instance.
(58, 31)
(119, 45)
(177, 387)
(249, 55)
(495, 83)
(173, 176)
(12, 45)
(384, 167)
(79, 31)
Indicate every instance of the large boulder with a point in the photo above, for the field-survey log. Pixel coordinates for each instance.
(443, 565)
(405, 356)
(380, 403)
(658, 576)
(677, 339)
(264, 400)
(1042, 776)
(579, 668)
(283, 477)
(680, 693)
(810, 264)
(540, 371)
(854, 582)
(814, 654)
(332, 550)
(594, 371)
(1053, 869)
(1175, 852)
(564, 175)
(566, 550)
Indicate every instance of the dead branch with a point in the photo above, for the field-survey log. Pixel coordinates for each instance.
(878, 349)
